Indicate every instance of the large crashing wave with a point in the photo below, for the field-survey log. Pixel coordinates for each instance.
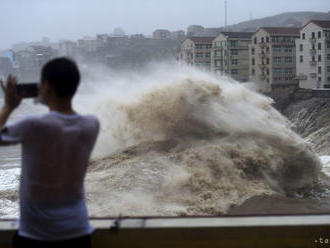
(192, 144)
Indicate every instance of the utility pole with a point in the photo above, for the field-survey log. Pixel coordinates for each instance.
(225, 14)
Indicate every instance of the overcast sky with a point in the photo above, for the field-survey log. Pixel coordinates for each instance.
(30, 20)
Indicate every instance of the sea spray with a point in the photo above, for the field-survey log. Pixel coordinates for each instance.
(187, 143)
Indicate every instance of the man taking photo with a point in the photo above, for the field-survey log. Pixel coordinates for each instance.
(56, 148)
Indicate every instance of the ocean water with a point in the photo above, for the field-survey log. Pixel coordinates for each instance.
(177, 141)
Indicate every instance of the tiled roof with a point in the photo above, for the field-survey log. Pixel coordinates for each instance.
(320, 23)
(201, 39)
(281, 30)
(242, 35)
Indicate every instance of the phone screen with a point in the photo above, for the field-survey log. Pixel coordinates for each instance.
(28, 90)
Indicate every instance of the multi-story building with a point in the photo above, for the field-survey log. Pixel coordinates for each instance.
(230, 55)
(67, 48)
(313, 55)
(161, 34)
(273, 56)
(178, 35)
(197, 51)
(87, 45)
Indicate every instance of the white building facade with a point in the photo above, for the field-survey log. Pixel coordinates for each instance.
(313, 55)
(273, 57)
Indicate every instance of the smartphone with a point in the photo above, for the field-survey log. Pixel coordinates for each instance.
(28, 90)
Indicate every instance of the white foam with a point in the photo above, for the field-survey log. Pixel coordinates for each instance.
(326, 164)
(9, 179)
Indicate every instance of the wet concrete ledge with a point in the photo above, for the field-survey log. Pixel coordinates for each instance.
(229, 231)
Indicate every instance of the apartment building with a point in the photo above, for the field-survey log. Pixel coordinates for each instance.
(197, 51)
(313, 55)
(273, 56)
(230, 55)
(161, 34)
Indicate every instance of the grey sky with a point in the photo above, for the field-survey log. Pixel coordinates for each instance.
(30, 20)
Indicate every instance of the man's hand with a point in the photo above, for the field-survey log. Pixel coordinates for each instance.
(12, 99)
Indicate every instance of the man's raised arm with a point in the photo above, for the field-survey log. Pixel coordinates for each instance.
(12, 101)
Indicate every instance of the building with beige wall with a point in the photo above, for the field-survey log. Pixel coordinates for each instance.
(273, 57)
(230, 55)
(313, 55)
(196, 51)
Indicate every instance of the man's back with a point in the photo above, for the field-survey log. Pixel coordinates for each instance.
(55, 152)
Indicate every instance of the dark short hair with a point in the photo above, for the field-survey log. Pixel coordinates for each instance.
(63, 74)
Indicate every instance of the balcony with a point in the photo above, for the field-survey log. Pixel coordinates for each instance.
(313, 52)
(261, 55)
(312, 63)
(262, 66)
(301, 77)
(312, 40)
(313, 75)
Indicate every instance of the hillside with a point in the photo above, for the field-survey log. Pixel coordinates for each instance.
(289, 19)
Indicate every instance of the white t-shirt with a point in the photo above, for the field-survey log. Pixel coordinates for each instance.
(55, 153)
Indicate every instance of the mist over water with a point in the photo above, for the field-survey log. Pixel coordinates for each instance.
(175, 140)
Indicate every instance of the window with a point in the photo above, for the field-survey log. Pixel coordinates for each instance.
(253, 72)
(253, 61)
(199, 55)
(301, 47)
(328, 69)
(233, 43)
(328, 44)
(277, 49)
(252, 51)
(234, 72)
(262, 39)
(234, 52)
(301, 59)
(319, 59)
(277, 71)
(267, 39)
(288, 49)
(319, 69)
(207, 55)
(255, 40)
(234, 62)
(328, 79)
(277, 60)
(313, 58)
(288, 60)
(319, 34)
(313, 35)
(288, 71)
(319, 45)
(267, 61)
(267, 72)
(328, 56)
(303, 36)
(267, 49)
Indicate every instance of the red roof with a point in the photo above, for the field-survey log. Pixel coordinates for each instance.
(201, 39)
(320, 23)
(281, 30)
